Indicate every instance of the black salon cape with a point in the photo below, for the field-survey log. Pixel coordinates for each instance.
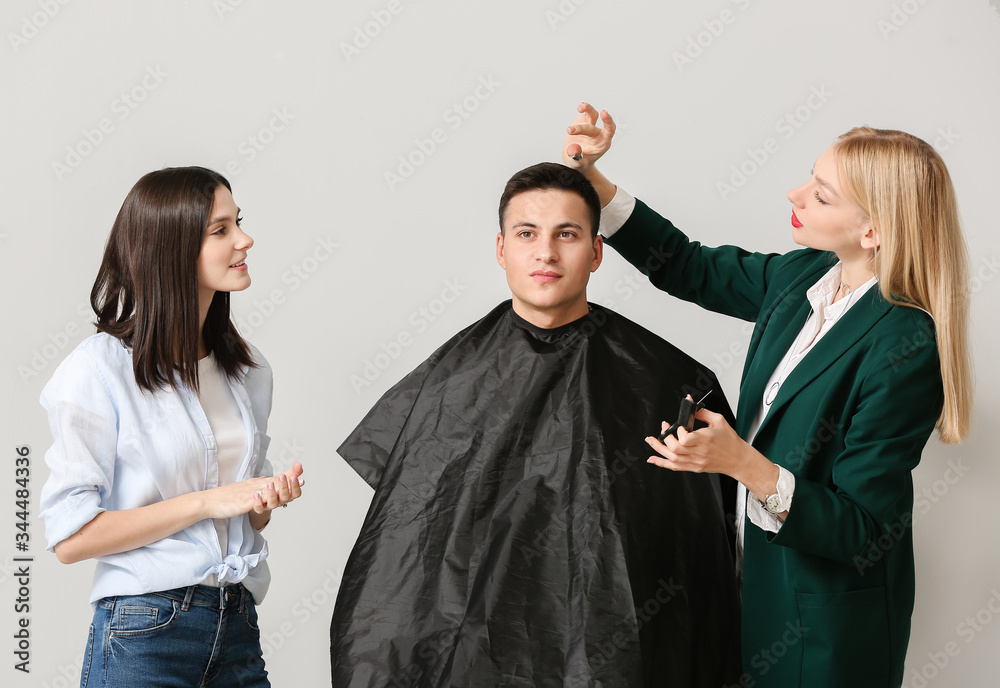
(517, 536)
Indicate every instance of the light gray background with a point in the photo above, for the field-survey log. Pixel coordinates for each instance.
(199, 82)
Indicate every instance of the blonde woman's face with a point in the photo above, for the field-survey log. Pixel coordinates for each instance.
(824, 217)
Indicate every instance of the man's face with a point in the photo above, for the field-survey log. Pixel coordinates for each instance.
(548, 252)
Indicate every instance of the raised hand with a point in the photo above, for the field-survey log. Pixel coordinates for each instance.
(585, 141)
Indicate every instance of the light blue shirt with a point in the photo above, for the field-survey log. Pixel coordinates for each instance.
(118, 447)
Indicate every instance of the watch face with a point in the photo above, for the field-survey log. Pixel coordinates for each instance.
(773, 504)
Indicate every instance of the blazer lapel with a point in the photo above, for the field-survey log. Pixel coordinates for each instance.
(854, 325)
(776, 339)
(775, 332)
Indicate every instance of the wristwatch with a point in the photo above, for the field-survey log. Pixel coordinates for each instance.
(774, 504)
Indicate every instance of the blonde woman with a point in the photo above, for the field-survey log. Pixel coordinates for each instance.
(858, 353)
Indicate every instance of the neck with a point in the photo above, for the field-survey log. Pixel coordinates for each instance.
(856, 271)
(550, 318)
(204, 303)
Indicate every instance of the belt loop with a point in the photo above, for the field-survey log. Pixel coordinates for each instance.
(188, 595)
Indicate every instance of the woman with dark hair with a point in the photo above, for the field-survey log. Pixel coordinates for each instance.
(158, 467)
(859, 351)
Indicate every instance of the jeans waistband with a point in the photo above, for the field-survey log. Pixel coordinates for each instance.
(209, 596)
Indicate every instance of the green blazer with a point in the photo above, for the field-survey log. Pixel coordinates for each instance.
(826, 600)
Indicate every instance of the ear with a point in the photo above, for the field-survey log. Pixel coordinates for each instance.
(598, 252)
(500, 258)
(870, 239)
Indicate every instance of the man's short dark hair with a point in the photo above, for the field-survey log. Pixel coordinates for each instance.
(551, 175)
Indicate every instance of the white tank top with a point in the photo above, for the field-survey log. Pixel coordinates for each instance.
(224, 417)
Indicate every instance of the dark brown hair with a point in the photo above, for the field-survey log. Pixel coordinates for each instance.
(146, 291)
(551, 175)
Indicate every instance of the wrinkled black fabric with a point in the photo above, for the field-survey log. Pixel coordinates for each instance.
(517, 536)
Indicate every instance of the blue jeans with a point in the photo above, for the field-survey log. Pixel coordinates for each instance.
(195, 636)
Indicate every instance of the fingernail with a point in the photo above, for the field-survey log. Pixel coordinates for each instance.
(282, 478)
(301, 482)
(256, 495)
(271, 485)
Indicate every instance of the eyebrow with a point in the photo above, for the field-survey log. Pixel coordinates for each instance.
(223, 218)
(826, 185)
(561, 225)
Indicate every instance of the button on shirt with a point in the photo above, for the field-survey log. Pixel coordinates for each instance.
(116, 446)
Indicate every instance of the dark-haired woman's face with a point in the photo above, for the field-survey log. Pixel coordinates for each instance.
(222, 261)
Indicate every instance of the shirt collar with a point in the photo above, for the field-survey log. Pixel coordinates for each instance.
(821, 294)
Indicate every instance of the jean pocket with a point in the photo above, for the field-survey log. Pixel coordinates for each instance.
(250, 615)
(141, 615)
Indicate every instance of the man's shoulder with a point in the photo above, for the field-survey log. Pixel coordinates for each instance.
(487, 322)
(638, 358)
(632, 335)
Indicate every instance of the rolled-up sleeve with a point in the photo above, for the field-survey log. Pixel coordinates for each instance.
(617, 212)
(84, 424)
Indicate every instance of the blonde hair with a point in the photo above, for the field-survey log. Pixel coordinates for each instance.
(903, 185)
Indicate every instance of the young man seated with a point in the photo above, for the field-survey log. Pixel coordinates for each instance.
(517, 536)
